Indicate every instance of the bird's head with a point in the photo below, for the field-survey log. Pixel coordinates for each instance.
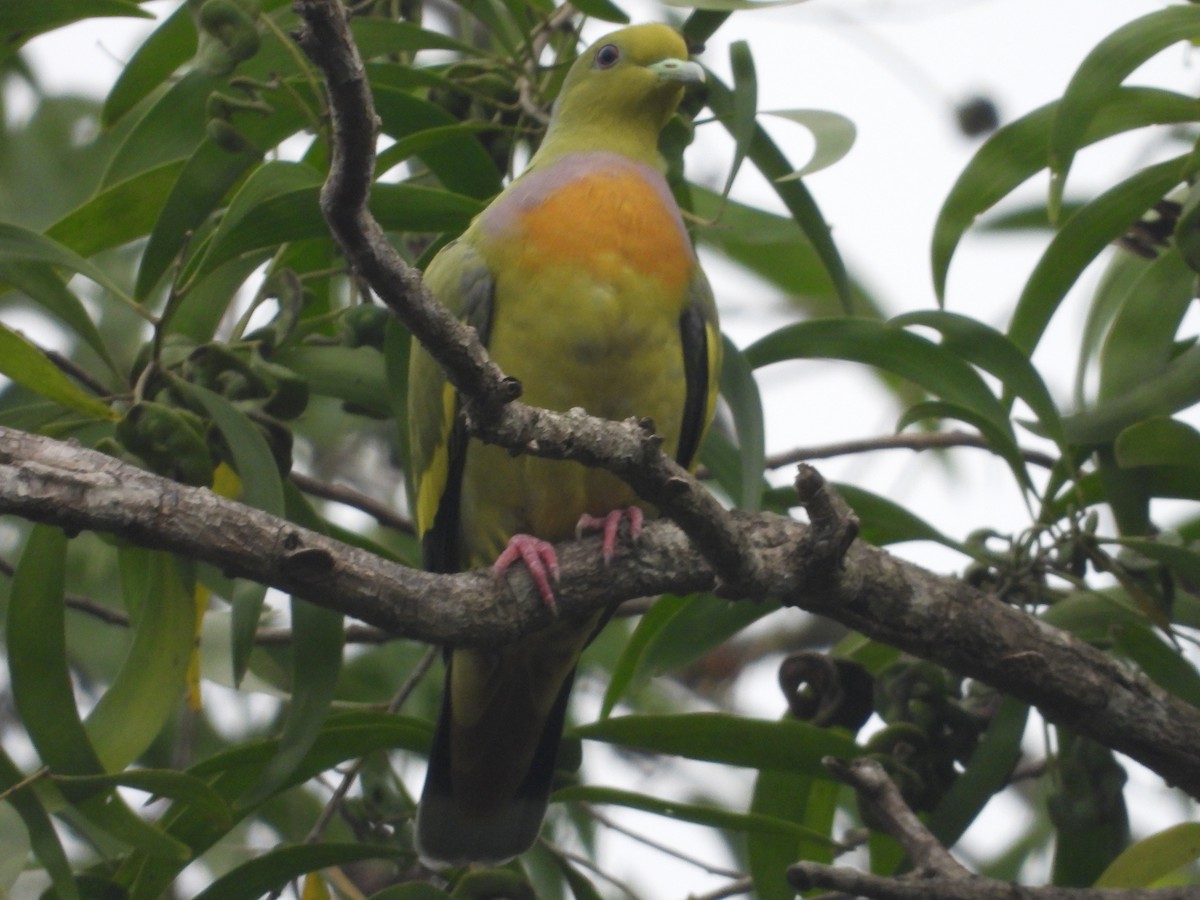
(625, 86)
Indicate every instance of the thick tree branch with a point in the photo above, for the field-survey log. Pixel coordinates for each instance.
(935, 875)
(937, 618)
(628, 449)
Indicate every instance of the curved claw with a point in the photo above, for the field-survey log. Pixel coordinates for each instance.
(540, 560)
(610, 526)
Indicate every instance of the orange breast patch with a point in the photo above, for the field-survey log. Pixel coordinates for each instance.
(604, 220)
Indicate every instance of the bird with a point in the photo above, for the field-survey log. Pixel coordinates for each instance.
(581, 280)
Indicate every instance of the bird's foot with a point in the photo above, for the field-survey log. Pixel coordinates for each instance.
(540, 560)
(610, 526)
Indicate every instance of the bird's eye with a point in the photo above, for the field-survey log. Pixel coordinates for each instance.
(607, 56)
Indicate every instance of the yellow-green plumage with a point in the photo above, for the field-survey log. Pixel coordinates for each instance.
(583, 284)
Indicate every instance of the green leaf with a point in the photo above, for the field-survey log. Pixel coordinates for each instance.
(447, 146)
(1158, 659)
(1081, 239)
(266, 183)
(628, 668)
(30, 367)
(1174, 387)
(1141, 338)
(43, 286)
(295, 215)
(1152, 858)
(168, 129)
(795, 797)
(353, 374)
(262, 488)
(232, 772)
(993, 352)
(1018, 151)
(776, 249)
(118, 214)
(603, 10)
(1120, 274)
(1100, 75)
(768, 159)
(386, 37)
(413, 890)
(24, 247)
(19, 22)
(884, 521)
(37, 657)
(730, 5)
(740, 390)
(206, 176)
(676, 632)
(268, 871)
(317, 641)
(985, 774)
(833, 135)
(168, 47)
(181, 786)
(42, 836)
(580, 886)
(700, 814)
(715, 737)
(1000, 441)
(740, 121)
(146, 692)
(887, 347)
(1159, 441)
(44, 695)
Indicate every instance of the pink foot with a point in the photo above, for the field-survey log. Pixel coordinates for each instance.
(610, 526)
(539, 558)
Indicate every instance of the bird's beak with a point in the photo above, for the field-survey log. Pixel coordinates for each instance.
(680, 71)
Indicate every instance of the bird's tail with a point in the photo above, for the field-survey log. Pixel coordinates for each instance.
(475, 808)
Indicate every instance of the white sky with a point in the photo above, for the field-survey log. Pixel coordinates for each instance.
(895, 67)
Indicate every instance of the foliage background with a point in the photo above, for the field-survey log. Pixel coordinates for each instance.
(48, 173)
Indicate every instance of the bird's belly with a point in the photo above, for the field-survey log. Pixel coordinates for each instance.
(585, 316)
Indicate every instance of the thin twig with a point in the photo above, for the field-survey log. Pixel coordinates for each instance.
(348, 496)
(36, 775)
(743, 885)
(660, 847)
(80, 374)
(591, 867)
(934, 440)
(343, 787)
(354, 634)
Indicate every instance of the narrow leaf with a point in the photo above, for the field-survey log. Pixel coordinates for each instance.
(1152, 858)
(740, 389)
(833, 135)
(28, 366)
(700, 814)
(146, 692)
(1100, 75)
(1018, 151)
(715, 737)
(769, 160)
(272, 870)
(1081, 239)
(42, 836)
(1141, 338)
(262, 488)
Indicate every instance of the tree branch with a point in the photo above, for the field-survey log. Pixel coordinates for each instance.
(935, 875)
(932, 440)
(893, 601)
